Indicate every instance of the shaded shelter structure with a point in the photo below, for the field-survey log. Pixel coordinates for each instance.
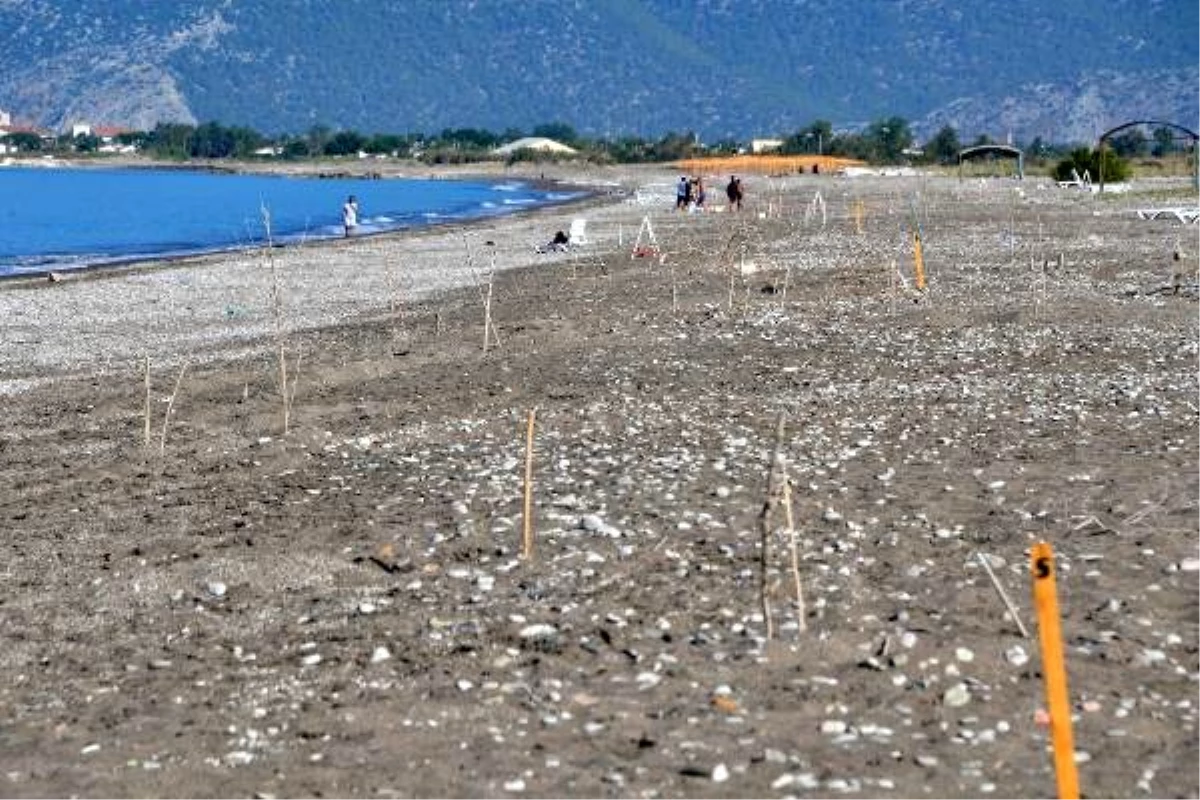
(1187, 133)
(993, 151)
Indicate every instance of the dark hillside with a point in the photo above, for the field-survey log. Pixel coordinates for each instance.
(608, 67)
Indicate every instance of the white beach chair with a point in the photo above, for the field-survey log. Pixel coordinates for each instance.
(578, 233)
(1185, 215)
(1077, 182)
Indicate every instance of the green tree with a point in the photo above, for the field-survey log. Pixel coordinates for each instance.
(170, 140)
(345, 143)
(86, 143)
(24, 142)
(292, 148)
(469, 138)
(1085, 159)
(886, 140)
(944, 146)
(1130, 143)
(138, 139)
(629, 150)
(246, 141)
(814, 138)
(724, 147)
(1164, 142)
(674, 146)
(318, 136)
(210, 140)
(386, 144)
(558, 131)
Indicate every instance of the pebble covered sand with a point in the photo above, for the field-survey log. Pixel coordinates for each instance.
(199, 603)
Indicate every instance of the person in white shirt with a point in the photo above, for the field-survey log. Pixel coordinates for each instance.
(350, 215)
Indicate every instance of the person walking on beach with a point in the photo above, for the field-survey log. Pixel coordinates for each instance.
(350, 215)
(700, 193)
(734, 192)
(682, 191)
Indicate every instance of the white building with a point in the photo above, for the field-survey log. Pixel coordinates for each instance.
(534, 143)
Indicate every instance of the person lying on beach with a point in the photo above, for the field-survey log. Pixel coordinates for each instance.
(559, 244)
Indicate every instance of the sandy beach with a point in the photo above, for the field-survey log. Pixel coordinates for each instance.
(201, 602)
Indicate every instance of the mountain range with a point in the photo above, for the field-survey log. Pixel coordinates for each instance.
(723, 69)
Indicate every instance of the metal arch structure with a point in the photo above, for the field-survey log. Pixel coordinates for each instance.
(1104, 137)
(993, 149)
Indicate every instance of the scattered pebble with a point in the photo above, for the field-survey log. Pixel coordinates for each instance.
(957, 696)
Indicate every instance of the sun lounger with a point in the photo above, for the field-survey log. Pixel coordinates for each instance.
(1185, 215)
(1076, 181)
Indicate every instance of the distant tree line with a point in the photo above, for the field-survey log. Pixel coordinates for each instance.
(884, 141)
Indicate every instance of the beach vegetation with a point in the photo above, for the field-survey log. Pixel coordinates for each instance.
(944, 146)
(1130, 143)
(24, 142)
(345, 143)
(813, 139)
(887, 140)
(1104, 162)
(387, 144)
(293, 148)
(1164, 142)
(169, 140)
(86, 143)
(558, 131)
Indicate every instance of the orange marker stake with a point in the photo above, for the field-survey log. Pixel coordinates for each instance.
(1045, 599)
(918, 262)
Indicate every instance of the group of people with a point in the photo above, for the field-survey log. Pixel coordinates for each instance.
(690, 194)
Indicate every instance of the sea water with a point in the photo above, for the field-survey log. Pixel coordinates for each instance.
(70, 218)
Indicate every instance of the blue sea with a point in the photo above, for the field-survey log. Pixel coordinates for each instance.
(59, 218)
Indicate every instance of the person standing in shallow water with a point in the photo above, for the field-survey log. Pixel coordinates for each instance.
(350, 215)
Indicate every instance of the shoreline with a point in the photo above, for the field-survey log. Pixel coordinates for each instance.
(179, 309)
(309, 171)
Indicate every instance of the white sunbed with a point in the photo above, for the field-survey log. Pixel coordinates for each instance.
(1186, 215)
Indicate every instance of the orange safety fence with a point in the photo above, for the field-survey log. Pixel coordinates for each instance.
(765, 165)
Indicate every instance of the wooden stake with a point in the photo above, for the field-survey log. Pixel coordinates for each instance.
(527, 526)
(489, 327)
(774, 493)
(801, 611)
(487, 317)
(162, 441)
(146, 436)
(1045, 598)
(1012, 610)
